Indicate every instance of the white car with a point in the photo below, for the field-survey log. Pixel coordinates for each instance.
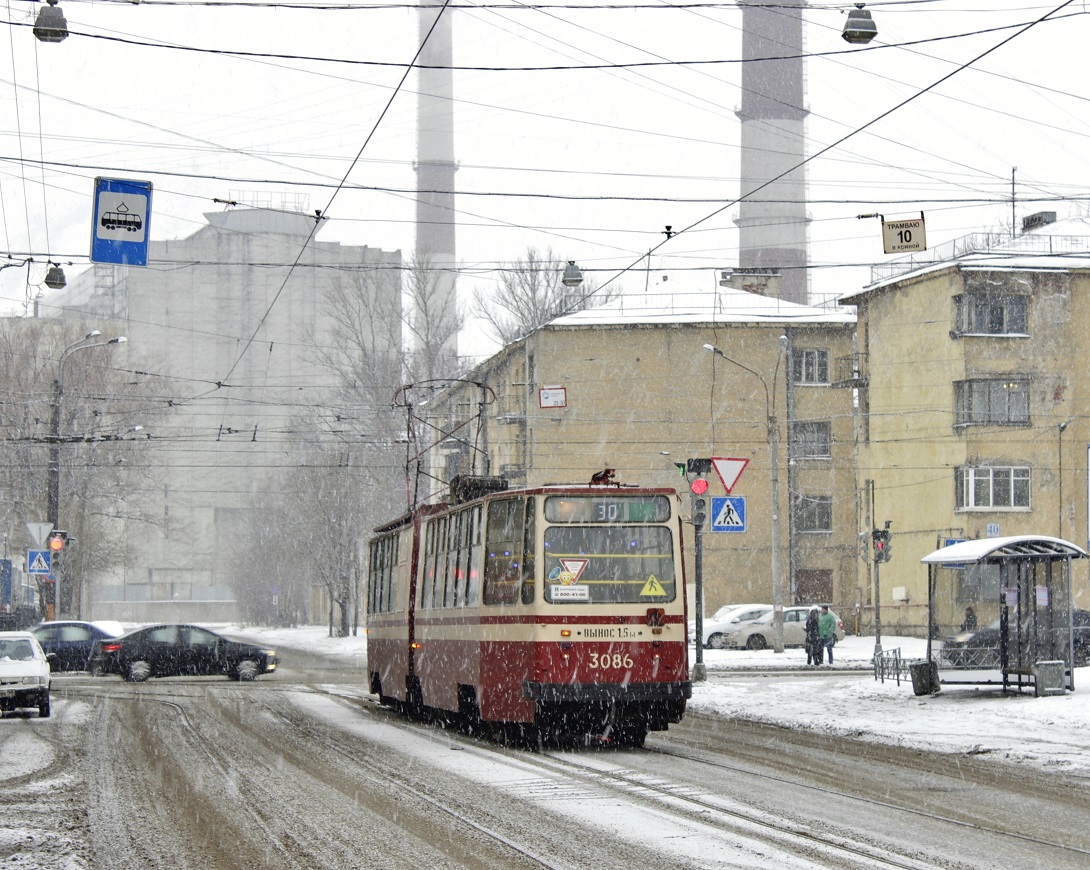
(727, 619)
(758, 633)
(24, 673)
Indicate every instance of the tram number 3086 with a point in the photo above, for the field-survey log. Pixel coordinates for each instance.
(611, 660)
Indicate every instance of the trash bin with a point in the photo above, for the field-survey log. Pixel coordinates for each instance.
(925, 677)
(1048, 678)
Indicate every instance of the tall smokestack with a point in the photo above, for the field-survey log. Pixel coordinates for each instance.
(772, 222)
(435, 165)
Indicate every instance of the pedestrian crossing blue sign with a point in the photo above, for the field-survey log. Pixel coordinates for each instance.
(729, 513)
(39, 562)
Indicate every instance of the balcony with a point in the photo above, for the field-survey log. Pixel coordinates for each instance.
(849, 371)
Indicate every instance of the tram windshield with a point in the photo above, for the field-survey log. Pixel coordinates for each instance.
(609, 564)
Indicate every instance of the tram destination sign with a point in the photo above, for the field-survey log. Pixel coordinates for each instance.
(901, 237)
(607, 509)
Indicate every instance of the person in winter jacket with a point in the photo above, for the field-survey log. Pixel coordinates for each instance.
(827, 631)
(813, 637)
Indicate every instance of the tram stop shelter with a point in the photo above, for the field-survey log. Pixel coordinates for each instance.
(999, 613)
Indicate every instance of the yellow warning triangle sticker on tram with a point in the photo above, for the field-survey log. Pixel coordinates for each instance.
(652, 588)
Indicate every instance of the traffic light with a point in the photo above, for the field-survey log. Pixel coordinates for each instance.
(881, 538)
(698, 466)
(698, 501)
(57, 540)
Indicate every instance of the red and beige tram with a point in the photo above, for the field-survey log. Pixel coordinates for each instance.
(556, 609)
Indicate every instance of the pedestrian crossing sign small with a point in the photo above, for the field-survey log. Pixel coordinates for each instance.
(39, 562)
(729, 513)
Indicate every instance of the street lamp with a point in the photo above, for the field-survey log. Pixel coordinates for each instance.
(50, 25)
(573, 275)
(859, 28)
(53, 496)
(774, 459)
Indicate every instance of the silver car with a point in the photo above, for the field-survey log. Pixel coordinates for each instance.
(758, 634)
(726, 620)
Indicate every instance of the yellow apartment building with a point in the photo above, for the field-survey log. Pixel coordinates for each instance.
(973, 403)
(631, 386)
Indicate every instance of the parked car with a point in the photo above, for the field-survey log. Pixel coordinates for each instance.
(179, 650)
(726, 619)
(794, 626)
(24, 673)
(758, 634)
(70, 643)
(979, 648)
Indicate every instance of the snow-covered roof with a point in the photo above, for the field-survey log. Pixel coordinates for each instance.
(998, 549)
(1059, 246)
(687, 305)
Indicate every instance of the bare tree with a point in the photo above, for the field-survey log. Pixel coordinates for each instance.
(102, 462)
(433, 320)
(531, 294)
(351, 477)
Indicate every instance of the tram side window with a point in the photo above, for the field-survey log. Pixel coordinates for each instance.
(473, 563)
(503, 552)
(454, 530)
(374, 574)
(528, 555)
(383, 575)
(461, 556)
(427, 588)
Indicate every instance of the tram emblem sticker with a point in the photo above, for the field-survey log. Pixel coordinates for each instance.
(562, 581)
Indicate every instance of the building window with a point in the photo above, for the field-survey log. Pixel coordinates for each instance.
(992, 488)
(814, 513)
(810, 366)
(991, 314)
(992, 402)
(811, 439)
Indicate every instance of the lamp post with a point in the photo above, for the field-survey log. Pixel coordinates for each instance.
(54, 490)
(774, 459)
(1060, 477)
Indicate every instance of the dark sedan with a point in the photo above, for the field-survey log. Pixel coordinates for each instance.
(979, 648)
(180, 650)
(69, 643)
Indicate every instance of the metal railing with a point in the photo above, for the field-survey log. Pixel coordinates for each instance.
(890, 664)
(998, 244)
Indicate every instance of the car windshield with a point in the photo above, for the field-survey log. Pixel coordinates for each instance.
(752, 615)
(16, 650)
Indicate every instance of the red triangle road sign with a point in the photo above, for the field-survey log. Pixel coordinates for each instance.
(729, 470)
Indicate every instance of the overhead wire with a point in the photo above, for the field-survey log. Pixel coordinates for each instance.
(874, 120)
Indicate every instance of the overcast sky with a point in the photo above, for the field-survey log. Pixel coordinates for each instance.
(221, 101)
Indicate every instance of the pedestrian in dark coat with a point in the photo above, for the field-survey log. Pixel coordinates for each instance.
(813, 638)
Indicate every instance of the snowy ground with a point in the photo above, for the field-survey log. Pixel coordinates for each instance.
(1050, 732)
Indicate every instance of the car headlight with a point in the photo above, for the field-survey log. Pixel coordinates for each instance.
(34, 681)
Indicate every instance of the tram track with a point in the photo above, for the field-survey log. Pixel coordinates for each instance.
(833, 845)
(312, 771)
(870, 801)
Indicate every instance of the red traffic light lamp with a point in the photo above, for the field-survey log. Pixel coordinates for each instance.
(57, 540)
(699, 486)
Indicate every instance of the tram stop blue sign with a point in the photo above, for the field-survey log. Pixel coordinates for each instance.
(119, 229)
